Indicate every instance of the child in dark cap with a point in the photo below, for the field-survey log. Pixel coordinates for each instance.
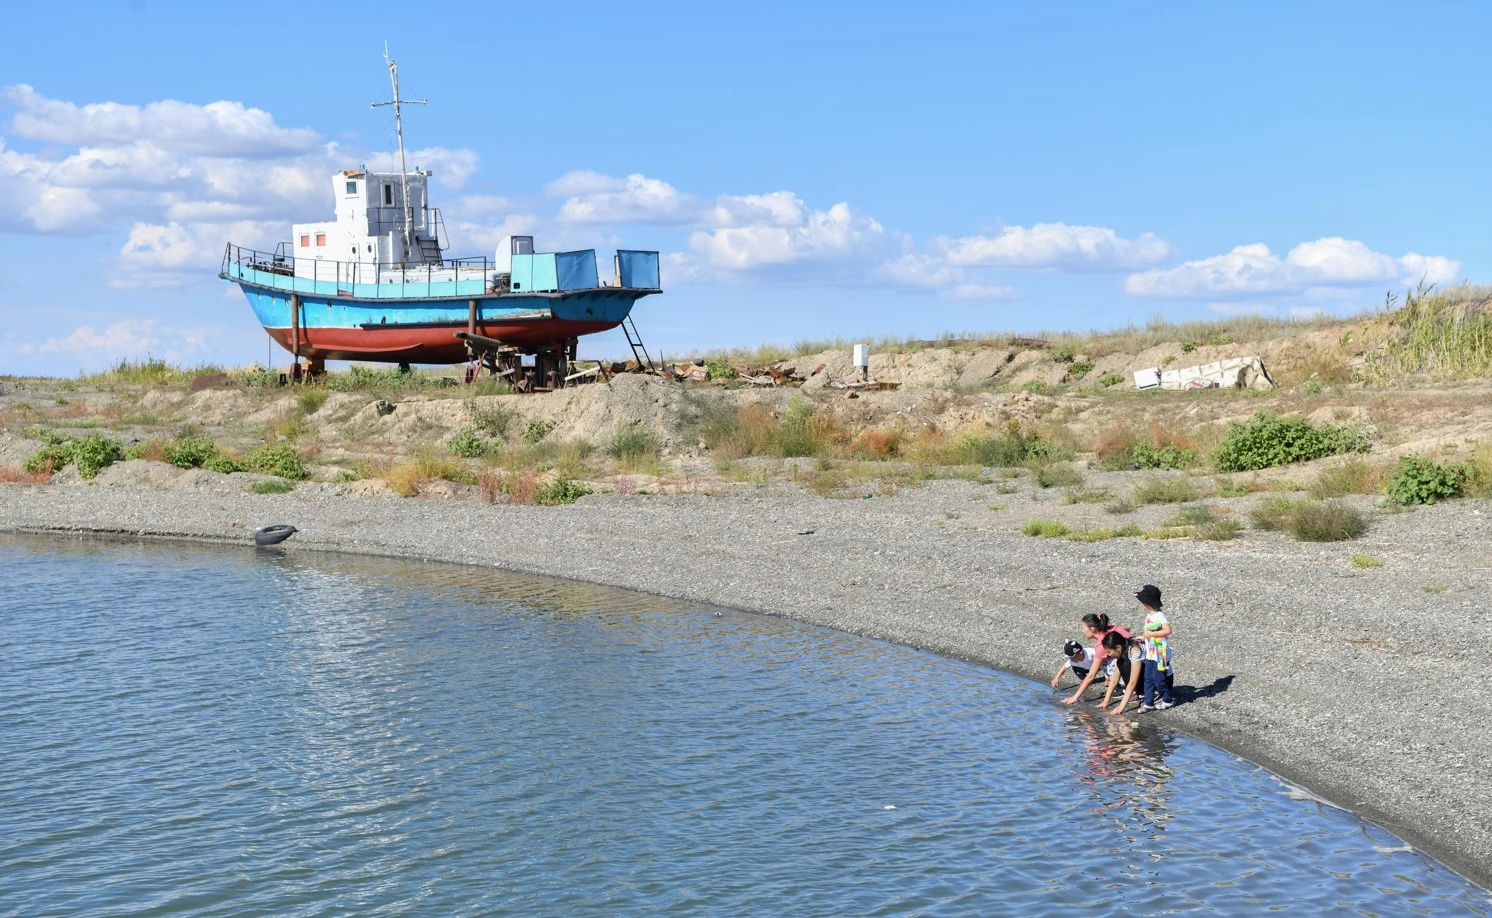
(1079, 660)
(1156, 642)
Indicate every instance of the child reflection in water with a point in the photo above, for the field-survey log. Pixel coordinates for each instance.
(1124, 764)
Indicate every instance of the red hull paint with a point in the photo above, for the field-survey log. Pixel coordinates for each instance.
(434, 344)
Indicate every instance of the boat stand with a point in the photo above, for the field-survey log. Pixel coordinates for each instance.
(550, 369)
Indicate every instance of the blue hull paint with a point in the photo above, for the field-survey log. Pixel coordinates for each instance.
(423, 330)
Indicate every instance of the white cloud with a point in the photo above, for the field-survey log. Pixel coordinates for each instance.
(980, 292)
(834, 235)
(183, 179)
(1057, 245)
(638, 199)
(451, 168)
(583, 182)
(1325, 263)
(132, 339)
(174, 254)
(223, 129)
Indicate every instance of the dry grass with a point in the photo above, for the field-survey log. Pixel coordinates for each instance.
(1091, 345)
(408, 477)
(13, 474)
(516, 487)
(1355, 476)
(1158, 490)
(878, 442)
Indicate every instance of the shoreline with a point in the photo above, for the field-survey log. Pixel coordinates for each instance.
(1360, 686)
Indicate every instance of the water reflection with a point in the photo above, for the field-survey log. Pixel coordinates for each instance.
(283, 735)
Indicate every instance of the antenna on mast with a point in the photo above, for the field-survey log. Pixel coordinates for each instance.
(397, 102)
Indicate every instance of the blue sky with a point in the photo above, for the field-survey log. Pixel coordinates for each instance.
(808, 169)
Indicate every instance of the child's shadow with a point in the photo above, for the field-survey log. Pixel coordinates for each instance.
(1185, 693)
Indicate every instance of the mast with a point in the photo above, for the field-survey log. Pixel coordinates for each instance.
(397, 102)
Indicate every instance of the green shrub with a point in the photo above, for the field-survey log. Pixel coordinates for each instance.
(1417, 480)
(1058, 475)
(631, 442)
(1110, 379)
(1166, 491)
(1267, 440)
(1314, 521)
(311, 398)
(1273, 513)
(561, 490)
(719, 368)
(1036, 387)
(93, 452)
(1079, 370)
(1188, 346)
(276, 459)
(190, 452)
(57, 453)
(536, 430)
(493, 421)
(1219, 529)
(1168, 457)
(272, 487)
(1064, 354)
(90, 454)
(1364, 561)
(468, 444)
(223, 464)
(1014, 448)
(1047, 529)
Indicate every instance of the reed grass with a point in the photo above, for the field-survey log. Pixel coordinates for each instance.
(1446, 334)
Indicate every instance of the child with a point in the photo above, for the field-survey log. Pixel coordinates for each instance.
(1079, 660)
(1157, 647)
(1127, 657)
(1095, 626)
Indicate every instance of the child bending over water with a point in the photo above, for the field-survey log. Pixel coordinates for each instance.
(1095, 626)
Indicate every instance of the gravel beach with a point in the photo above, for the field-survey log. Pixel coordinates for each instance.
(1367, 686)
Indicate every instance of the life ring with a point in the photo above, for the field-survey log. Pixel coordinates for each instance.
(273, 535)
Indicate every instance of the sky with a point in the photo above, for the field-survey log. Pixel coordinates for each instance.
(807, 169)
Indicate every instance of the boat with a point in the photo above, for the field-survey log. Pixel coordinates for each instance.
(374, 284)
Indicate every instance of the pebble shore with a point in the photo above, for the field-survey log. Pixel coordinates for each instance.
(1369, 687)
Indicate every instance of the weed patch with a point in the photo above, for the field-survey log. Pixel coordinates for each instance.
(1417, 480)
(1330, 521)
(91, 454)
(1047, 529)
(277, 486)
(1057, 475)
(561, 490)
(276, 459)
(1268, 440)
(1177, 490)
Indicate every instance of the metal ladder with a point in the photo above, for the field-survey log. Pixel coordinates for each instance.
(629, 328)
(429, 250)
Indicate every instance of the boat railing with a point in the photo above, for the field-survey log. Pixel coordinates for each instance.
(449, 277)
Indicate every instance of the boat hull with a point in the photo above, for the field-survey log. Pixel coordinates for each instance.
(424, 330)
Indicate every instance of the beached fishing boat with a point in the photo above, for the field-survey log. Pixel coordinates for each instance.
(374, 284)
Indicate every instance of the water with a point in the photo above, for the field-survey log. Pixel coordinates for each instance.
(220, 732)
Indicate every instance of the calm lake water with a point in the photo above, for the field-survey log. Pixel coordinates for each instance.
(205, 731)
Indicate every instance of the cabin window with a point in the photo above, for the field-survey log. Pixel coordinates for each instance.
(352, 187)
(321, 238)
(388, 195)
(305, 242)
